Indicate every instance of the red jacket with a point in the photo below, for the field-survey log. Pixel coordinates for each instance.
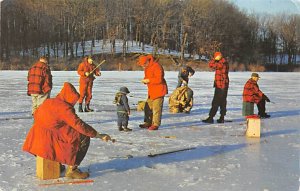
(221, 73)
(157, 87)
(251, 92)
(55, 134)
(86, 67)
(39, 79)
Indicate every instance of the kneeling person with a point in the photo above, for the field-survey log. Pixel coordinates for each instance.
(181, 100)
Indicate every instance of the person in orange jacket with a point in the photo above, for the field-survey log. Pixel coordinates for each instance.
(86, 72)
(58, 134)
(157, 89)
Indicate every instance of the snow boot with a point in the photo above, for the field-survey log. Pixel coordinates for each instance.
(87, 108)
(75, 173)
(208, 120)
(221, 119)
(80, 108)
(120, 128)
(144, 126)
(264, 116)
(126, 129)
(153, 128)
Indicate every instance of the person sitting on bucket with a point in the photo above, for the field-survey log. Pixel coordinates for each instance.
(58, 134)
(123, 109)
(181, 100)
(251, 95)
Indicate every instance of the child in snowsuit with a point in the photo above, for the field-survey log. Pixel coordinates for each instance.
(123, 109)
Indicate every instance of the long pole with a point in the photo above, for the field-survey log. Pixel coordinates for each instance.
(97, 66)
(169, 152)
(1, 44)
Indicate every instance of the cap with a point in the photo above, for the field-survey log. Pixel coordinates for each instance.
(255, 75)
(124, 90)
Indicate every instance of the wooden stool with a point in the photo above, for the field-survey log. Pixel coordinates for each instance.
(47, 169)
(253, 126)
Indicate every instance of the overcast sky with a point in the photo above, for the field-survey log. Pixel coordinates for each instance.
(269, 6)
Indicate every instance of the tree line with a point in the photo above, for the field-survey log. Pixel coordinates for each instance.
(192, 27)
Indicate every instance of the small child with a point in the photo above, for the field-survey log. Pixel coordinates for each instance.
(123, 110)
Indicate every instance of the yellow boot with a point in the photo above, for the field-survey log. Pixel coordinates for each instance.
(74, 173)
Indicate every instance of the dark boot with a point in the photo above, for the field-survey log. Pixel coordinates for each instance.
(120, 128)
(87, 108)
(208, 120)
(144, 125)
(265, 115)
(221, 119)
(127, 129)
(80, 108)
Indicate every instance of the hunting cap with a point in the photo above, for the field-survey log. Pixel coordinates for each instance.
(124, 90)
(255, 75)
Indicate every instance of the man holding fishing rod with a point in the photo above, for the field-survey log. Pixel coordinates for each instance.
(87, 71)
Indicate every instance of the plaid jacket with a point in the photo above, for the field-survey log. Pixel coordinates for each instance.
(221, 73)
(251, 92)
(39, 79)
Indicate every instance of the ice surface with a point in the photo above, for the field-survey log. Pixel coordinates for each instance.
(223, 159)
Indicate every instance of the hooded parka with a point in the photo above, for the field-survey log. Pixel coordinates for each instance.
(55, 134)
(157, 86)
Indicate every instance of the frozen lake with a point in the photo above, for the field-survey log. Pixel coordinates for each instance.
(223, 159)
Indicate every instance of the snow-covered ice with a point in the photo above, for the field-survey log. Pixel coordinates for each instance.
(224, 159)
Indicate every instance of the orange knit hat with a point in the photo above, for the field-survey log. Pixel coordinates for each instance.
(217, 56)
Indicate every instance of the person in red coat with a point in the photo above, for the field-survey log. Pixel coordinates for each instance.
(221, 84)
(39, 82)
(58, 134)
(252, 95)
(86, 73)
(157, 89)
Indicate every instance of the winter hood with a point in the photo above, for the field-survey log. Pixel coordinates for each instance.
(68, 94)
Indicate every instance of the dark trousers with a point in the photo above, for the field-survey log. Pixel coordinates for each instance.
(83, 148)
(122, 119)
(261, 106)
(219, 100)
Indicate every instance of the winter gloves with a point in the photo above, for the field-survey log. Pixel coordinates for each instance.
(266, 98)
(145, 81)
(103, 137)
